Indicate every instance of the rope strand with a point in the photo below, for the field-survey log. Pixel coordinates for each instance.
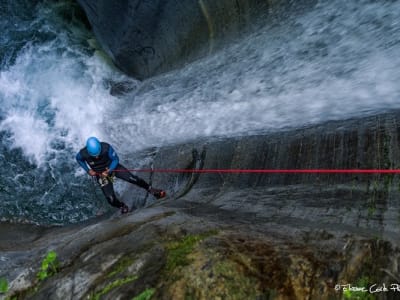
(269, 171)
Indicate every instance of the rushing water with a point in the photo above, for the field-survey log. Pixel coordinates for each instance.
(329, 60)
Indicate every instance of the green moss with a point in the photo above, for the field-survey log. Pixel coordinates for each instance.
(145, 295)
(113, 285)
(359, 295)
(178, 251)
(123, 263)
(3, 285)
(236, 284)
(49, 266)
(212, 276)
(116, 271)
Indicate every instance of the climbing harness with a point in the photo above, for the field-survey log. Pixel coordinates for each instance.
(103, 181)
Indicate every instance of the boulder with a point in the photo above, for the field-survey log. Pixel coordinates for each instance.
(145, 38)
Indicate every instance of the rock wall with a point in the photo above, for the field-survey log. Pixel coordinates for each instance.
(231, 236)
(362, 143)
(145, 38)
(357, 203)
(169, 253)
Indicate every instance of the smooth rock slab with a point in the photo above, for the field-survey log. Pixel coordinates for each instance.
(145, 38)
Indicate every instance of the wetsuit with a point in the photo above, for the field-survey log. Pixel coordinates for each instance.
(108, 158)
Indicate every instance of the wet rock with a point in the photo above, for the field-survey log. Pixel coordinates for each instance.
(121, 88)
(145, 38)
(358, 203)
(138, 254)
(235, 236)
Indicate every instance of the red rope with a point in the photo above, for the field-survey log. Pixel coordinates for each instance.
(269, 171)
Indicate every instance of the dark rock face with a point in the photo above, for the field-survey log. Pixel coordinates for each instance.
(236, 236)
(145, 38)
(358, 203)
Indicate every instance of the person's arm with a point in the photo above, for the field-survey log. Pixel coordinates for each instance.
(114, 159)
(81, 162)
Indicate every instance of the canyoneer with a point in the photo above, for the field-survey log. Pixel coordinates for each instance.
(100, 160)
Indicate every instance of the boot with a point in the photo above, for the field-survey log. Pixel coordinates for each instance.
(157, 193)
(124, 209)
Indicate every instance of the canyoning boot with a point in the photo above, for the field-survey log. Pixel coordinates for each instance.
(157, 193)
(124, 209)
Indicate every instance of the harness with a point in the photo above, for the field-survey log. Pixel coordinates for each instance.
(103, 181)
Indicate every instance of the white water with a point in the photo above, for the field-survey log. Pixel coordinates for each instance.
(50, 97)
(336, 61)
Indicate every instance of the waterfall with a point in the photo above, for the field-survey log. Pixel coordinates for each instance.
(335, 60)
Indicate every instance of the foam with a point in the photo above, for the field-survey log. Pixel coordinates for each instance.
(319, 66)
(29, 134)
(324, 65)
(47, 96)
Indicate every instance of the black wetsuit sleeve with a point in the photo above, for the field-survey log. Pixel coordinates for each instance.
(81, 162)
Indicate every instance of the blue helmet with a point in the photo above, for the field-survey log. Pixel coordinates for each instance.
(93, 146)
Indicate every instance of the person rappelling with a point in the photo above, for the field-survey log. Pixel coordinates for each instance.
(100, 160)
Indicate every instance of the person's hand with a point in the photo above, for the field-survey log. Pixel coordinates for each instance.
(92, 172)
(105, 173)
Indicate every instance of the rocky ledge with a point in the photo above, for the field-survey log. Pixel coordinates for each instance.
(234, 236)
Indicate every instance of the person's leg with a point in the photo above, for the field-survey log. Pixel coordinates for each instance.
(124, 174)
(108, 190)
